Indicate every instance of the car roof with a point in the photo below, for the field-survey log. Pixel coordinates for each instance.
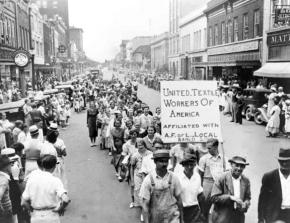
(258, 90)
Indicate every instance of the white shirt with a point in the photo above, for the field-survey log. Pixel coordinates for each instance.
(48, 149)
(285, 185)
(237, 187)
(43, 190)
(190, 188)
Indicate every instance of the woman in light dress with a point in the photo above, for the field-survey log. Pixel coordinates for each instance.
(274, 122)
(137, 176)
(287, 118)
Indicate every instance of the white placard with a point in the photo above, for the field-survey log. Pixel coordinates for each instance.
(190, 111)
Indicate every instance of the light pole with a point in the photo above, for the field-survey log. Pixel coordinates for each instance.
(31, 51)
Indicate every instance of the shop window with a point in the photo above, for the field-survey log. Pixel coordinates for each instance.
(216, 35)
(210, 43)
(245, 26)
(223, 33)
(256, 23)
(230, 31)
(236, 30)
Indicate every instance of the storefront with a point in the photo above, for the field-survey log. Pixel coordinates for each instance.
(10, 74)
(277, 67)
(235, 61)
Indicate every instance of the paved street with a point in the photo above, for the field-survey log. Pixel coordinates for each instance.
(98, 197)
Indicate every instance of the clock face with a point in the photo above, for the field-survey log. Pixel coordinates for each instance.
(21, 59)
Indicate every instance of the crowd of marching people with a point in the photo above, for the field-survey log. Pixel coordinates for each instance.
(176, 183)
(181, 182)
(33, 184)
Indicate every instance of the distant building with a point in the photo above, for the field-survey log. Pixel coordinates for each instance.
(55, 9)
(76, 36)
(193, 44)
(159, 53)
(141, 58)
(51, 8)
(133, 44)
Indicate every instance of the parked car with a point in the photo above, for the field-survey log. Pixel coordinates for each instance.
(253, 99)
(13, 110)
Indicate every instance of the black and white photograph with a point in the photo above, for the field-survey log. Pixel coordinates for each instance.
(144, 111)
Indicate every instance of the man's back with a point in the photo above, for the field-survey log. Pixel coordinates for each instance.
(43, 190)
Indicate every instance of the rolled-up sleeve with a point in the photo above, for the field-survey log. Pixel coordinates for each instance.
(145, 190)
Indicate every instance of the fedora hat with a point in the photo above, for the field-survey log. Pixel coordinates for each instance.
(33, 130)
(239, 160)
(4, 161)
(161, 153)
(284, 154)
(188, 158)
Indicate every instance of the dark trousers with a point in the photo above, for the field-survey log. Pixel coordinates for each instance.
(191, 214)
(284, 216)
(239, 118)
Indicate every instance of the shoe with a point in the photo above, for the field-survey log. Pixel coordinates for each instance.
(141, 218)
(131, 205)
(92, 144)
(120, 179)
(110, 153)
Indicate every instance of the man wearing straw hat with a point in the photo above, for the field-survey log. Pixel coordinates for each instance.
(160, 193)
(274, 199)
(231, 194)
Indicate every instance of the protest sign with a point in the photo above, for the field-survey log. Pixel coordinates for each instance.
(190, 111)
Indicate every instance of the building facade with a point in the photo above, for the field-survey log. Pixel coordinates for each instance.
(173, 54)
(133, 44)
(50, 9)
(159, 53)
(234, 38)
(141, 58)
(276, 53)
(193, 44)
(14, 34)
(76, 36)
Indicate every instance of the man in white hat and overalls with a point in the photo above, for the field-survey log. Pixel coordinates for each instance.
(160, 193)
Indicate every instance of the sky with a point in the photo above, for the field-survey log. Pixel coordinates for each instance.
(107, 22)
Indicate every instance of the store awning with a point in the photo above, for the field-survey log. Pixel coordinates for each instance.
(277, 70)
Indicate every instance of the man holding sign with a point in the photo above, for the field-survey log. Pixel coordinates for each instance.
(190, 114)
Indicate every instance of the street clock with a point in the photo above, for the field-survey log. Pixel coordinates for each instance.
(21, 57)
(61, 49)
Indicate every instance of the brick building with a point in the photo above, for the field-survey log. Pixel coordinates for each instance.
(276, 53)
(14, 34)
(235, 30)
